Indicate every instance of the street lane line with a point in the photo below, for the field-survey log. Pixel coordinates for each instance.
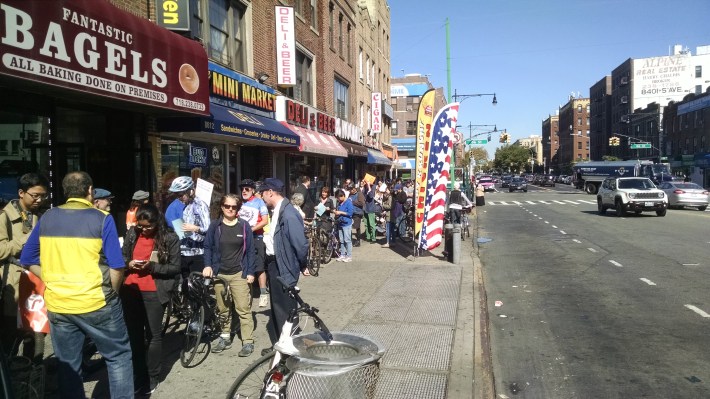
(691, 264)
(504, 203)
(615, 263)
(571, 202)
(588, 202)
(560, 202)
(562, 232)
(530, 202)
(517, 202)
(539, 217)
(592, 249)
(554, 227)
(647, 281)
(546, 222)
(577, 241)
(543, 202)
(698, 311)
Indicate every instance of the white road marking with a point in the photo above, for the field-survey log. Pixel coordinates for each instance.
(577, 241)
(588, 202)
(615, 263)
(517, 202)
(543, 202)
(532, 203)
(697, 310)
(504, 203)
(691, 264)
(560, 202)
(571, 202)
(554, 227)
(562, 231)
(534, 215)
(539, 217)
(546, 222)
(592, 249)
(647, 281)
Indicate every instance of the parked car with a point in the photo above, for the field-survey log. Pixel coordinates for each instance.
(685, 194)
(547, 180)
(518, 183)
(487, 183)
(634, 194)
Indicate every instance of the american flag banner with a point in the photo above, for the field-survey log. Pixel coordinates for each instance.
(444, 125)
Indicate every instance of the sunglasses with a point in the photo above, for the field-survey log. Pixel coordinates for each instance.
(232, 207)
(148, 228)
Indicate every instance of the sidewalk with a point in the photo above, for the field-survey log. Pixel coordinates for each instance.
(425, 311)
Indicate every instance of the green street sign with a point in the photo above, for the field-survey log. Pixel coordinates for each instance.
(469, 141)
(636, 146)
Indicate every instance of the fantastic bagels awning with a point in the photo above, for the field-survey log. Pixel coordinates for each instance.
(93, 47)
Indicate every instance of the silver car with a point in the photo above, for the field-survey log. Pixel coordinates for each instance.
(682, 194)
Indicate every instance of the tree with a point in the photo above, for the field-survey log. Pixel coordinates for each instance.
(480, 155)
(610, 158)
(512, 157)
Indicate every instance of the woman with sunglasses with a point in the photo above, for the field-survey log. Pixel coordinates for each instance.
(151, 251)
(230, 253)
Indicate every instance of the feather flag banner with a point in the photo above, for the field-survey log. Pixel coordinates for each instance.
(438, 176)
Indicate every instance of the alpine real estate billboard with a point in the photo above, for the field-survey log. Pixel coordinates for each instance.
(661, 79)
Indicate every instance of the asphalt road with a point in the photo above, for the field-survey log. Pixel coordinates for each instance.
(595, 306)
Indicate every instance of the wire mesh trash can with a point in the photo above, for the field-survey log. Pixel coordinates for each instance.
(345, 368)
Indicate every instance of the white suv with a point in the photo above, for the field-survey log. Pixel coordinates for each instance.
(631, 194)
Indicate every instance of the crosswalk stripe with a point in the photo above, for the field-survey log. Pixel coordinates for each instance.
(530, 202)
(538, 202)
(517, 202)
(571, 202)
(560, 202)
(588, 202)
(543, 202)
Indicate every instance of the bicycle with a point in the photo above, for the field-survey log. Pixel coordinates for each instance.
(178, 307)
(465, 223)
(204, 320)
(330, 243)
(269, 376)
(405, 227)
(313, 259)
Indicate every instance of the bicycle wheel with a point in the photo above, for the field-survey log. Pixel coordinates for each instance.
(325, 253)
(251, 381)
(193, 335)
(314, 258)
(167, 315)
(407, 228)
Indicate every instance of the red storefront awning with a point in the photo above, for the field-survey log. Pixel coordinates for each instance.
(90, 46)
(317, 143)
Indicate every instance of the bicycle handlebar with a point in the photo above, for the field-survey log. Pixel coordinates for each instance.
(304, 308)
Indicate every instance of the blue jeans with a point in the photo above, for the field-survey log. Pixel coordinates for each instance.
(399, 226)
(107, 329)
(346, 241)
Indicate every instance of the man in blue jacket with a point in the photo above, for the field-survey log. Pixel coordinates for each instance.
(286, 252)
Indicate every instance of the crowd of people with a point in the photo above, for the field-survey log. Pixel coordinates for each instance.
(115, 290)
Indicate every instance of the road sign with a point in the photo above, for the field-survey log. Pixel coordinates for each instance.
(636, 146)
(457, 137)
(483, 141)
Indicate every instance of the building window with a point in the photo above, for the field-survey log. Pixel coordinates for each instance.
(314, 14)
(302, 90)
(579, 107)
(362, 114)
(340, 34)
(330, 25)
(579, 121)
(196, 20)
(394, 129)
(340, 92)
(226, 22)
(350, 53)
(298, 7)
(579, 145)
(698, 89)
(367, 68)
(359, 62)
(411, 128)
(698, 71)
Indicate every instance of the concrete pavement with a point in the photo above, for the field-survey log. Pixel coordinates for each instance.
(428, 313)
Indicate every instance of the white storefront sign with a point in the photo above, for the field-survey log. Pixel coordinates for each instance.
(347, 131)
(376, 113)
(285, 46)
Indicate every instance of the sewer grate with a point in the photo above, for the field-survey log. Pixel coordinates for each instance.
(421, 346)
(396, 384)
(430, 287)
(433, 311)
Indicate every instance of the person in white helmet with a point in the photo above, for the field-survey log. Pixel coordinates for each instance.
(195, 218)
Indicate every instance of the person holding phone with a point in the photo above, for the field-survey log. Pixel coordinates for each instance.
(146, 291)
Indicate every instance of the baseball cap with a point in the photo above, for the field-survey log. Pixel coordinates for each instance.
(100, 193)
(140, 195)
(397, 186)
(272, 183)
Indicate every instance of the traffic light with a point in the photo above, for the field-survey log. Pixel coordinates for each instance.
(502, 138)
(507, 138)
(611, 141)
(489, 137)
(614, 141)
(617, 141)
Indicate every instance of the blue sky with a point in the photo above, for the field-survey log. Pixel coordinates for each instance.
(534, 53)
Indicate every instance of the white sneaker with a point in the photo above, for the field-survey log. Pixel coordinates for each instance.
(347, 260)
(340, 259)
(263, 300)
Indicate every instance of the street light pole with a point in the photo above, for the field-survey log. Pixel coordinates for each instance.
(456, 98)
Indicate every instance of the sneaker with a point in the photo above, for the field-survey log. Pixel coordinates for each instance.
(222, 345)
(266, 351)
(263, 300)
(247, 350)
(340, 259)
(347, 260)
(386, 246)
(154, 384)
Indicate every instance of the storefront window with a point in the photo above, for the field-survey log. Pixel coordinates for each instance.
(317, 168)
(23, 149)
(196, 159)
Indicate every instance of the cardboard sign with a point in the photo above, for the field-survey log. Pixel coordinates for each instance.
(369, 178)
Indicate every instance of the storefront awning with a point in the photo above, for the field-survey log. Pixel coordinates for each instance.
(354, 150)
(377, 157)
(317, 143)
(234, 123)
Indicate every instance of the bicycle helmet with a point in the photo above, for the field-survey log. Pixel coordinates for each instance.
(247, 183)
(180, 184)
